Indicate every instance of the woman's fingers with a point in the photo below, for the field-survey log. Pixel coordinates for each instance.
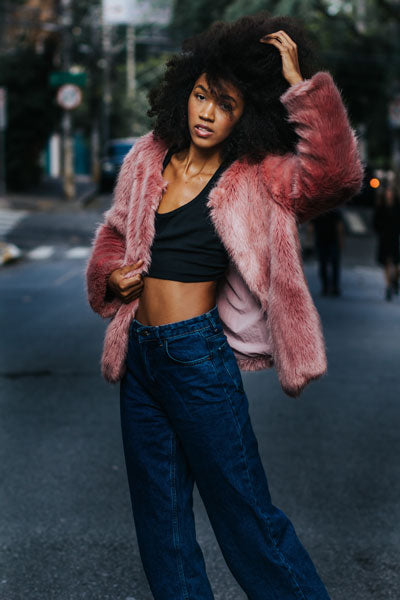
(131, 267)
(285, 37)
(279, 36)
(132, 292)
(127, 288)
(288, 51)
(126, 285)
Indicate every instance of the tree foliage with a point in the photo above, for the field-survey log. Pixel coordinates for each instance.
(32, 114)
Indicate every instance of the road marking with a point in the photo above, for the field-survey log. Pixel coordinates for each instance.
(41, 252)
(78, 252)
(9, 219)
(65, 276)
(354, 221)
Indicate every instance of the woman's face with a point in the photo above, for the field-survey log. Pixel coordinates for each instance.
(210, 120)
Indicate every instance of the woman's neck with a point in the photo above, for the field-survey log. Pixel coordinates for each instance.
(195, 159)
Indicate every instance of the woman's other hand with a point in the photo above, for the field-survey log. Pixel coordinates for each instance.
(288, 52)
(126, 288)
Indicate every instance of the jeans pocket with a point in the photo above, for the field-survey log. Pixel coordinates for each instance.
(188, 349)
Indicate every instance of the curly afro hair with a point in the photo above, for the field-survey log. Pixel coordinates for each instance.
(232, 52)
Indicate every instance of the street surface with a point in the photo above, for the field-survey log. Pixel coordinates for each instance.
(331, 455)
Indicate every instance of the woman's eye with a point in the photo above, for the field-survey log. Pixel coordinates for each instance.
(226, 107)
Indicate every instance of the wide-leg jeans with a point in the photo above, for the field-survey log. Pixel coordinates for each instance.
(185, 419)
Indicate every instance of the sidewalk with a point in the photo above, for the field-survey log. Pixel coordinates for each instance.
(49, 196)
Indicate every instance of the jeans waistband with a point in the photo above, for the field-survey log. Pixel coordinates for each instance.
(207, 320)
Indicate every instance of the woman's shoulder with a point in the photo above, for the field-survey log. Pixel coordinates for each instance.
(146, 147)
(141, 143)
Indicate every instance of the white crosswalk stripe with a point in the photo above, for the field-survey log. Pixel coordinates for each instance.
(77, 252)
(44, 252)
(55, 252)
(9, 219)
(41, 252)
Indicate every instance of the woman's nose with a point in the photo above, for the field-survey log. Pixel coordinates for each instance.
(208, 110)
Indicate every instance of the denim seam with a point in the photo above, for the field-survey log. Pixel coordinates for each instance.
(237, 384)
(273, 541)
(215, 367)
(170, 337)
(175, 520)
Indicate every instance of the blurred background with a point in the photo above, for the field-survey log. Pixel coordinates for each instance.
(74, 78)
(110, 54)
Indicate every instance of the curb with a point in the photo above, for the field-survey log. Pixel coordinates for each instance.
(87, 196)
(49, 202)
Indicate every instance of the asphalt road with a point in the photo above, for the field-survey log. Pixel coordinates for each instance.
(331, 456)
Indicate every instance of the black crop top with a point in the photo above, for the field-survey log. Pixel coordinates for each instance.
(186, 246)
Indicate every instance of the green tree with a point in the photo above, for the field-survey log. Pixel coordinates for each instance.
(32, 113)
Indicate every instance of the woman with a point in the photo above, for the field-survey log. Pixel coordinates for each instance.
(198, 264)
(386, 222)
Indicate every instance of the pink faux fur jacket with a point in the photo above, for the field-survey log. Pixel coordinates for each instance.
(264, 302)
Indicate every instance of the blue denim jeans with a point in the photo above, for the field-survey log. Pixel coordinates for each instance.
(185, 419)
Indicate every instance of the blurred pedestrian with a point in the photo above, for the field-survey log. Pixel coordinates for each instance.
(329, 239)
(386, 223)
(209, 201)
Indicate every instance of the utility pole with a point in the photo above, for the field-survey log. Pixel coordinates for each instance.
(95, 135)
(130, 62)
(68, 172)
(394, 122)
(3, 125)
(360, 7)
(107, 96)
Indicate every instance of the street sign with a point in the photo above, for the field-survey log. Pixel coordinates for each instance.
(3, 108)
(60, 77)
(69, 96)
(118, 12)
(137, 12)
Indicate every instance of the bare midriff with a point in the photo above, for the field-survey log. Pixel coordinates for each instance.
(165, 301)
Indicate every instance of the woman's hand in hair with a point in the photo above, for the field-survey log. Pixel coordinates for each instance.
(126, 288)
(288, 52)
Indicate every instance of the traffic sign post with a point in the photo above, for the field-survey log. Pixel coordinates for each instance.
(394, 112)
(3, 125)
(69, 97)
(394, 122)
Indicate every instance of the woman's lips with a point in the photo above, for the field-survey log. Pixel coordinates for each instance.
(202, 132)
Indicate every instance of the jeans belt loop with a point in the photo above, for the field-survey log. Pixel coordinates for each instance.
(212, 321)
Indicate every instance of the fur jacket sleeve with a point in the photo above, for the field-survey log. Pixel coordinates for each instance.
(108, 245)
(326, 168)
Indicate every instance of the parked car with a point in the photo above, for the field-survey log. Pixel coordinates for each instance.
(116, 150)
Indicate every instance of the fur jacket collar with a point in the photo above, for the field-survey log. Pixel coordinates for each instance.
(263, 300)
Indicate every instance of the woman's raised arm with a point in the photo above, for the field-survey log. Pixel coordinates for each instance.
(326, 169)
